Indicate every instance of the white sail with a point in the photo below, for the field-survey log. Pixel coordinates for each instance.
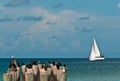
(95, 53)
(92, 54)
(96, 50)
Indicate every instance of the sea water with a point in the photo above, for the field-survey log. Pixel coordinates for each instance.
(79, 69)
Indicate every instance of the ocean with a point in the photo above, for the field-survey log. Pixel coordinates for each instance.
(80, 69)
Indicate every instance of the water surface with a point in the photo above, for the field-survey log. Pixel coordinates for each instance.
(80, 69)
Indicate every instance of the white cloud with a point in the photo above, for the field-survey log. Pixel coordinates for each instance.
(63, 29)
(118, 5)
(42, 36)
(15, 3)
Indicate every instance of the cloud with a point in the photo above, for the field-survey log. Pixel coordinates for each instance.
(85, 29)
(118, 5)
(58, 5)
(15, 3)
(53, 37)
(54, 32)
(8, 18)
(84, 18)
(29, 18)
(51, 23)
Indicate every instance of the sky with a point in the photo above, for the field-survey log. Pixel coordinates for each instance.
(59, 28)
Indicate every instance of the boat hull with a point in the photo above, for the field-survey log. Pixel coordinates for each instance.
(94, 59)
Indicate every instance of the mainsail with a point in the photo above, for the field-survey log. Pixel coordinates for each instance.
(92, 55)
(96, 50)
(95, 53)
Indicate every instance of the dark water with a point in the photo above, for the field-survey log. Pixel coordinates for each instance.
(80, 69)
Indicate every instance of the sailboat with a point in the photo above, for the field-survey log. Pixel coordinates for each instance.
(95, 53)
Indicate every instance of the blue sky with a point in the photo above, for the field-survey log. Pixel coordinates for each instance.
(59, 28)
